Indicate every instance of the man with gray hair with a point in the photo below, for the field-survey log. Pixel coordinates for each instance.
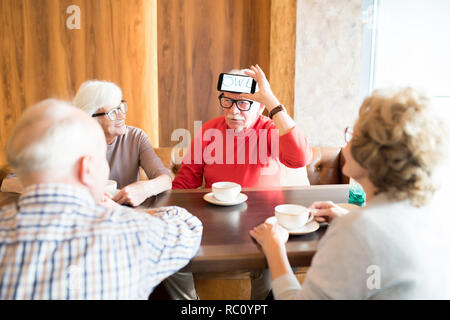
(57, 243)
(249, 132)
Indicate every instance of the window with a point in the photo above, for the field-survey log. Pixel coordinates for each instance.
(407, 42)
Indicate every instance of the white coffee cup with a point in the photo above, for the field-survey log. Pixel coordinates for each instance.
(226, 191)
(293, 216)
(111, 187)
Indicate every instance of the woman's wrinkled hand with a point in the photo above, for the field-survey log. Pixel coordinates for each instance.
(133, 194)
(269, 235)
(107, 202)
(326, 211)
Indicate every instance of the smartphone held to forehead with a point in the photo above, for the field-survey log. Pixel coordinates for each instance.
(236, 83)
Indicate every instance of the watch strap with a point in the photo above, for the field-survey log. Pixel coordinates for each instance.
(275, 110)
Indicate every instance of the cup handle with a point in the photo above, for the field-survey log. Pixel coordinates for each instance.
(311, 217)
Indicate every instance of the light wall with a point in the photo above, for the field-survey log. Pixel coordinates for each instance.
(328, 69)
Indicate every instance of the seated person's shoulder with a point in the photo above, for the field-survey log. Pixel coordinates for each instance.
(141, 219)
(124, 215)
(356, 220)
(7, 209)
(135, 132)
(136, 135)
(264, 122)
(218, 123)
(361, 223)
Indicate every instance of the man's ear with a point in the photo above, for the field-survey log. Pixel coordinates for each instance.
(85, 170)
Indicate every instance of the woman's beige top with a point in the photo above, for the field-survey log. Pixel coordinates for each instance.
(129, 152)
(386, 250)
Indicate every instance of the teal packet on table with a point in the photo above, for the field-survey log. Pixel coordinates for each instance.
(356, 194)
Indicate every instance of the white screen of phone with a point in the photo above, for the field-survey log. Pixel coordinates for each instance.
(236, 83)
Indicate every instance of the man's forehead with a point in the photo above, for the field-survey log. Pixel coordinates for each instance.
(234, 96)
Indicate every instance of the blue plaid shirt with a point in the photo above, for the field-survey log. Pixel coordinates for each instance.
(56, 243)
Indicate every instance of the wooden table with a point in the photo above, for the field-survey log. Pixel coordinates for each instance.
(226, 243)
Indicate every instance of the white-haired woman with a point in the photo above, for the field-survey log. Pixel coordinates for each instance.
(128, 148)
(398, 245)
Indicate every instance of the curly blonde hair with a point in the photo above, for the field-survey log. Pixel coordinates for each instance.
(399, 141)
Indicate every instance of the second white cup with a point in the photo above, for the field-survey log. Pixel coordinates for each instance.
(293, 216)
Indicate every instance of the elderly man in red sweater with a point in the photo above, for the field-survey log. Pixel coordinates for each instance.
(245, 147)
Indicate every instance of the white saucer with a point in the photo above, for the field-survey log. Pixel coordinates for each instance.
(310, 227)
(209, 197)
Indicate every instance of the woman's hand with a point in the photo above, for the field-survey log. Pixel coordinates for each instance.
(133, 194)
(326, 211)
(272, 239)
(108, 202)
(269, 235)
(265, 95)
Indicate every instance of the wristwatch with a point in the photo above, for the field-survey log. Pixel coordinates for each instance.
(275, 110)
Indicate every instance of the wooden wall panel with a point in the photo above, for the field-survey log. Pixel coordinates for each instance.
(197, 40)
(165, 54)
(40, 57)
(283, 17)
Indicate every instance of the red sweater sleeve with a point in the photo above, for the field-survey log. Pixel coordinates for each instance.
(295, 151)
(190, 175)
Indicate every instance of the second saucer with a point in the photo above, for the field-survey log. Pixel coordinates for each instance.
(209, 197)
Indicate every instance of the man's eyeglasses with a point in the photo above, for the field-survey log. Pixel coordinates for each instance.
(227, 103)
(114, 113)
(348, 134)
